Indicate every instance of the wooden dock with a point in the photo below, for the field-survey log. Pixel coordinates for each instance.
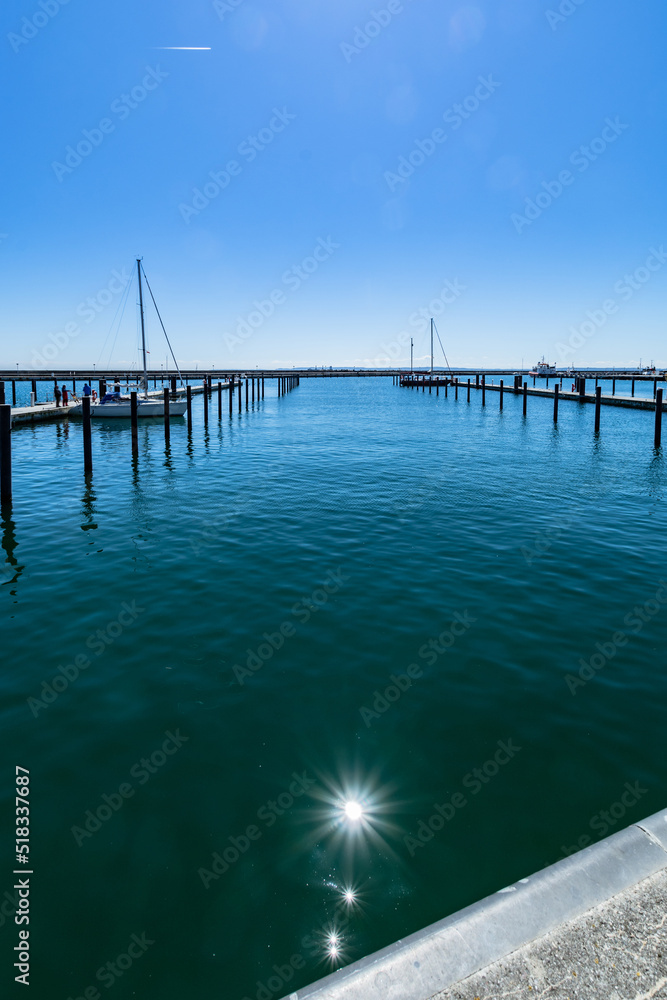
(42, 412)
(628, 402)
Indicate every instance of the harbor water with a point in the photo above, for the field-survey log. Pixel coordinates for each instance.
(319, 675)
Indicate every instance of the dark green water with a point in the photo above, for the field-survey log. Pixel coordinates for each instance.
(361, 519)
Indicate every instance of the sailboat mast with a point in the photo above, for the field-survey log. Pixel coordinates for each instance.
(143, 331)
(431, 345)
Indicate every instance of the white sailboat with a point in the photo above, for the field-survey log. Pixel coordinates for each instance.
(115, 405)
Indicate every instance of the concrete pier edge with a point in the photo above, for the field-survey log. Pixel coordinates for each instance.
(452, 949)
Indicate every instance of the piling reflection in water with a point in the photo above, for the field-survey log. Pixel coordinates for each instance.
(88, 506)
(11, 569)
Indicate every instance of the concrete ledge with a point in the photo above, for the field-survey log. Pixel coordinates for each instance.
(452, 949)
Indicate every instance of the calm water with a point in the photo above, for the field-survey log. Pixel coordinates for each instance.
(350, 522)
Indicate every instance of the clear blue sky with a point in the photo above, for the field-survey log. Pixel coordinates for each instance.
(337, 98)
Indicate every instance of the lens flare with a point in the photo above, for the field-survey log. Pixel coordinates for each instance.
(353, 810)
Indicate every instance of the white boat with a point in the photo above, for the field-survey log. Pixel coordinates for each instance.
(115, 405)
(543, 369)
(122, 407)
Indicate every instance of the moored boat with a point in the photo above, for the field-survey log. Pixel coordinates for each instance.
(115, 405)
(543, 369)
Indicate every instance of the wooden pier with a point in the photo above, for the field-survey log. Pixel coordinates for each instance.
(42, 412)
(628, 402)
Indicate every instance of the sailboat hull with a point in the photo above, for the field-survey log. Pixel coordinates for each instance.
(122, 408)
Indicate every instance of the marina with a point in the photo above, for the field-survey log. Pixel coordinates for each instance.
(333, 501)
(380, 486)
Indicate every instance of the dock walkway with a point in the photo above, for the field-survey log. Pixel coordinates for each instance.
(42, 412)
(628, 402)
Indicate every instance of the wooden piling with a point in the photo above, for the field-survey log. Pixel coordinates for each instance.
(437, 389)
(188, 396)
(165, 394)
(633, 387)
(87, 437)
(262, 387)
(556, 391)
(246, 393)
(483, 390)
(658, 418)
(219, 400)
(102, 388)
(240, 392)
(582, 387)
(456, 388)
(252, 391)
(598, 400)
(502, 386)
(173, 385)
(34, 388)
(468, 390)
(2, 393)
(655, 386)
(134, 414)
(525, 398)
(231, 394)
(205, 394)
(613, 387)
(13, 392)
(477, 381)
(6, 452)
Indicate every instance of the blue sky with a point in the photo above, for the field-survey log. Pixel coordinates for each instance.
(307, 191)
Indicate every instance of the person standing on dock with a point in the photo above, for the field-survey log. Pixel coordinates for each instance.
(65, 395)
(56, 395)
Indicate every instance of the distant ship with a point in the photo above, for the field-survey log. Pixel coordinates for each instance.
(543, 369)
